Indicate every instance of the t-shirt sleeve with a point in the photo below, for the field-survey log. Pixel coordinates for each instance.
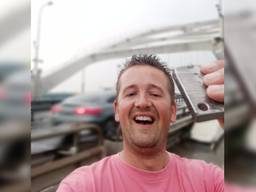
(78, 181)
(218, 175)
(199, 175)
(64, 187)
(205, 176)
(213, 176)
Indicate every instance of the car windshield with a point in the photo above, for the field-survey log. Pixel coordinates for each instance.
(91, 98)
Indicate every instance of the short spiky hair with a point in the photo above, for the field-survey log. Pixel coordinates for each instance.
(152, 61)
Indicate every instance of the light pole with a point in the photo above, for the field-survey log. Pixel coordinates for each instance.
(37, 60)
(83, 80)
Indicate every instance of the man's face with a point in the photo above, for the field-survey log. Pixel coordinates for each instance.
(143, 107)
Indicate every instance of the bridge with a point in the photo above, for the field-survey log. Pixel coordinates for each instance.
(199, 36)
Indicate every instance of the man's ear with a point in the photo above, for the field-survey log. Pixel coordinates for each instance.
(173, 112)
(115, 106)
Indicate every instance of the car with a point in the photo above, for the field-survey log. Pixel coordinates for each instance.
(94, 108)
(46, 101)
(9, 67)
(15, 99)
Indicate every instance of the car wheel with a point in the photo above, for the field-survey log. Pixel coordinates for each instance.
(112, 130)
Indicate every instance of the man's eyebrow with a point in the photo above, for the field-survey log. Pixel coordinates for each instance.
(129, 87)
(155, 87)
(150, 86)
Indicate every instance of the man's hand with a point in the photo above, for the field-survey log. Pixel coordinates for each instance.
(214, 79)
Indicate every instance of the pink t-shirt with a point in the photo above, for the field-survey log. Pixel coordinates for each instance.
(112, 174)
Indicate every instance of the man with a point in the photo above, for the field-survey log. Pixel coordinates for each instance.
(145, 108)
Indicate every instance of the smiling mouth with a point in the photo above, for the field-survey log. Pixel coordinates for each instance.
(144, 120)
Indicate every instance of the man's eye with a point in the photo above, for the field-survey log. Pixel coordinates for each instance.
(155, 94)
(130, 94)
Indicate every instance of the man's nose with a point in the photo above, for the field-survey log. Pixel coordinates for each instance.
(142, 102)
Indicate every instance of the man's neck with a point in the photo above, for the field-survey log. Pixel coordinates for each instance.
(153, 161)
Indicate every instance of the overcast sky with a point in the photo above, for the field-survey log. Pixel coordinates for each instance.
(76, 27)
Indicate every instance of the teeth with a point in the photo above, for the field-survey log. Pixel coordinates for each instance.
(143, 118)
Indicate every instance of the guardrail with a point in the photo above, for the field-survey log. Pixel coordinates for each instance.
(47, 176)
(181, 124)
(39, 106)
(179, 129)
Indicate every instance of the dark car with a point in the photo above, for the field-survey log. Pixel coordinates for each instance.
(88, 108)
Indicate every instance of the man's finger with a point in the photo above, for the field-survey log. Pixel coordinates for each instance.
(219, 64)
(221, 122)
(214, 78)
(216, 92)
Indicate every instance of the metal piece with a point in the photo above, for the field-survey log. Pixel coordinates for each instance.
(189, 82)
